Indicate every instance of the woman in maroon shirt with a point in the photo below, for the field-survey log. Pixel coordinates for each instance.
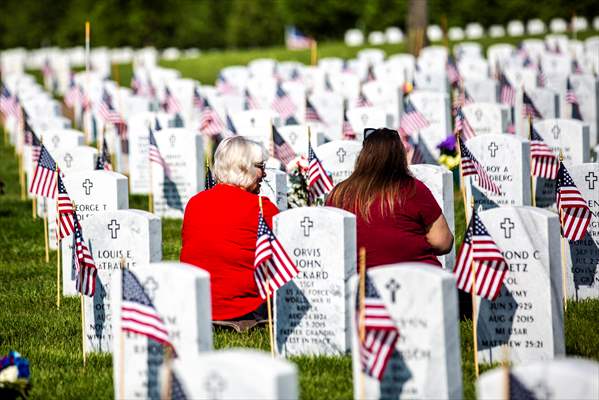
(220, 227)
(398, 219)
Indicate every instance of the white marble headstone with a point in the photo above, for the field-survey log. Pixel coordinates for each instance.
(311, 315)
(274, 186)
(486, 117)
(338, 158)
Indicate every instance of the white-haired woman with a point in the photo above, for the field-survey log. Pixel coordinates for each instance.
(220, 226)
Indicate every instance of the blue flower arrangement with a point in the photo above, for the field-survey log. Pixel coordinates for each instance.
(14, 376)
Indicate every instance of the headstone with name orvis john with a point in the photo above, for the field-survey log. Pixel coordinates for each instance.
(311, 316)
(92, 192)
(439, 180)
(583, 255)
(183, 152)
(506, 159)
(116, 239)
(224, 374)
(422, 302)
(528, 314)
(338, 158)
(180, 293)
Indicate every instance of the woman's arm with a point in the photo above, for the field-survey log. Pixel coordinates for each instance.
(439, 236)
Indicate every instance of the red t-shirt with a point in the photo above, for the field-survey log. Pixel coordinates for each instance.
(219, 235)
(400, 237)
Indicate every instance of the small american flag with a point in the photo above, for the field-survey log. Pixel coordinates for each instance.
(282, 150)
(576, 68)
(453, 74)
(198, 101)
(462, 126)
(103, 161)
(411, 120)
(249, 103)
(362, 101)
(347, 130)
(327, 83)
(177, 389)
(541, 77)
(544, 162)
(138, 314)
(283, 104)
(461, 98)
(86, 271)
(507, 93)
(72, 96)
(44, 178)
(9, 104)
(209, 181)
(572, 99)
(110, 115)
(381, 333)
(47, 71)
(223, 86)
(311, 113)
(412, 144)
(136, 86)
(210, 122)
(471, 166)
(273, 267)
(296, 40)
(574, 213)
(480, 249)
(154, 154)
(370, 74)
(528, 107)
(319, 182)
(231, 126)
(32, 140)
(65, 209)
(171, 104)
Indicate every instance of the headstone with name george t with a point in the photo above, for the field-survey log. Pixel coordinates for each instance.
(224, 375)
(92, 192)
(180, 294)
(116, 239)
(338, 158)
(183, 152)
(274, 186)
(506, 159)
(486, 117)
(567, 378)
(422, 302)
(311, 315)
(583, 255)
(439, 180)
(528, 314)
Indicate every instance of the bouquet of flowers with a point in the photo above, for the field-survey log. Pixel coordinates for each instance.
(448, 153)
(297, 196)
(14, 376)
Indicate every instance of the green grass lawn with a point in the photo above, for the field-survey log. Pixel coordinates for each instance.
(51, 338)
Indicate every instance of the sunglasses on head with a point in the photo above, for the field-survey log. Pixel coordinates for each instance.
(368, 131)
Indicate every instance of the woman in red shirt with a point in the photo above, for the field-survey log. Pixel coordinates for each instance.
(220, 228)
(398, 219)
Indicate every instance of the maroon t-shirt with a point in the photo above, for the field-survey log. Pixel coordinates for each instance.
(400, 237)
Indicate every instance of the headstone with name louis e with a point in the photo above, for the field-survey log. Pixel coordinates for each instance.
(224, 375)
(180, 294)
(528, 314)
(116, 239)
(425, 364)
(311, 315)
(183, 151)
(506, 159)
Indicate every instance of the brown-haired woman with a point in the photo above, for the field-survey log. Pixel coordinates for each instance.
(398, 219)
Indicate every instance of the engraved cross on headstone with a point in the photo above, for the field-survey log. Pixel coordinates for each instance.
(507, 225)
(493, 149)
(307, 224)
(478, 114)
(253, 122)
(172, 139)
(364, 119)
(392, 286)
(556, 131)
(114, 228)
(214, 385)
(55, 140)
(87, 185)
(341, 154)
(150, 286)
(292, 137)
(67, 159)
(591, 178)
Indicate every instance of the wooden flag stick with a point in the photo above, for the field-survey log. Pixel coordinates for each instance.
(474, 265)
(271, 144)
(362, 326)
(34, 207)
(533, 190)
(82, 325)
(313, 52)
(87, 68)
(270, 329)
(22, 177)
(167, 391)
(462, 186)
(46, 231)
(150, 193)
(122, 365)
(57, 247)
(563, 248)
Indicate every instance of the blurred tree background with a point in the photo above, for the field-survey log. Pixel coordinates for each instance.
(210, 24)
